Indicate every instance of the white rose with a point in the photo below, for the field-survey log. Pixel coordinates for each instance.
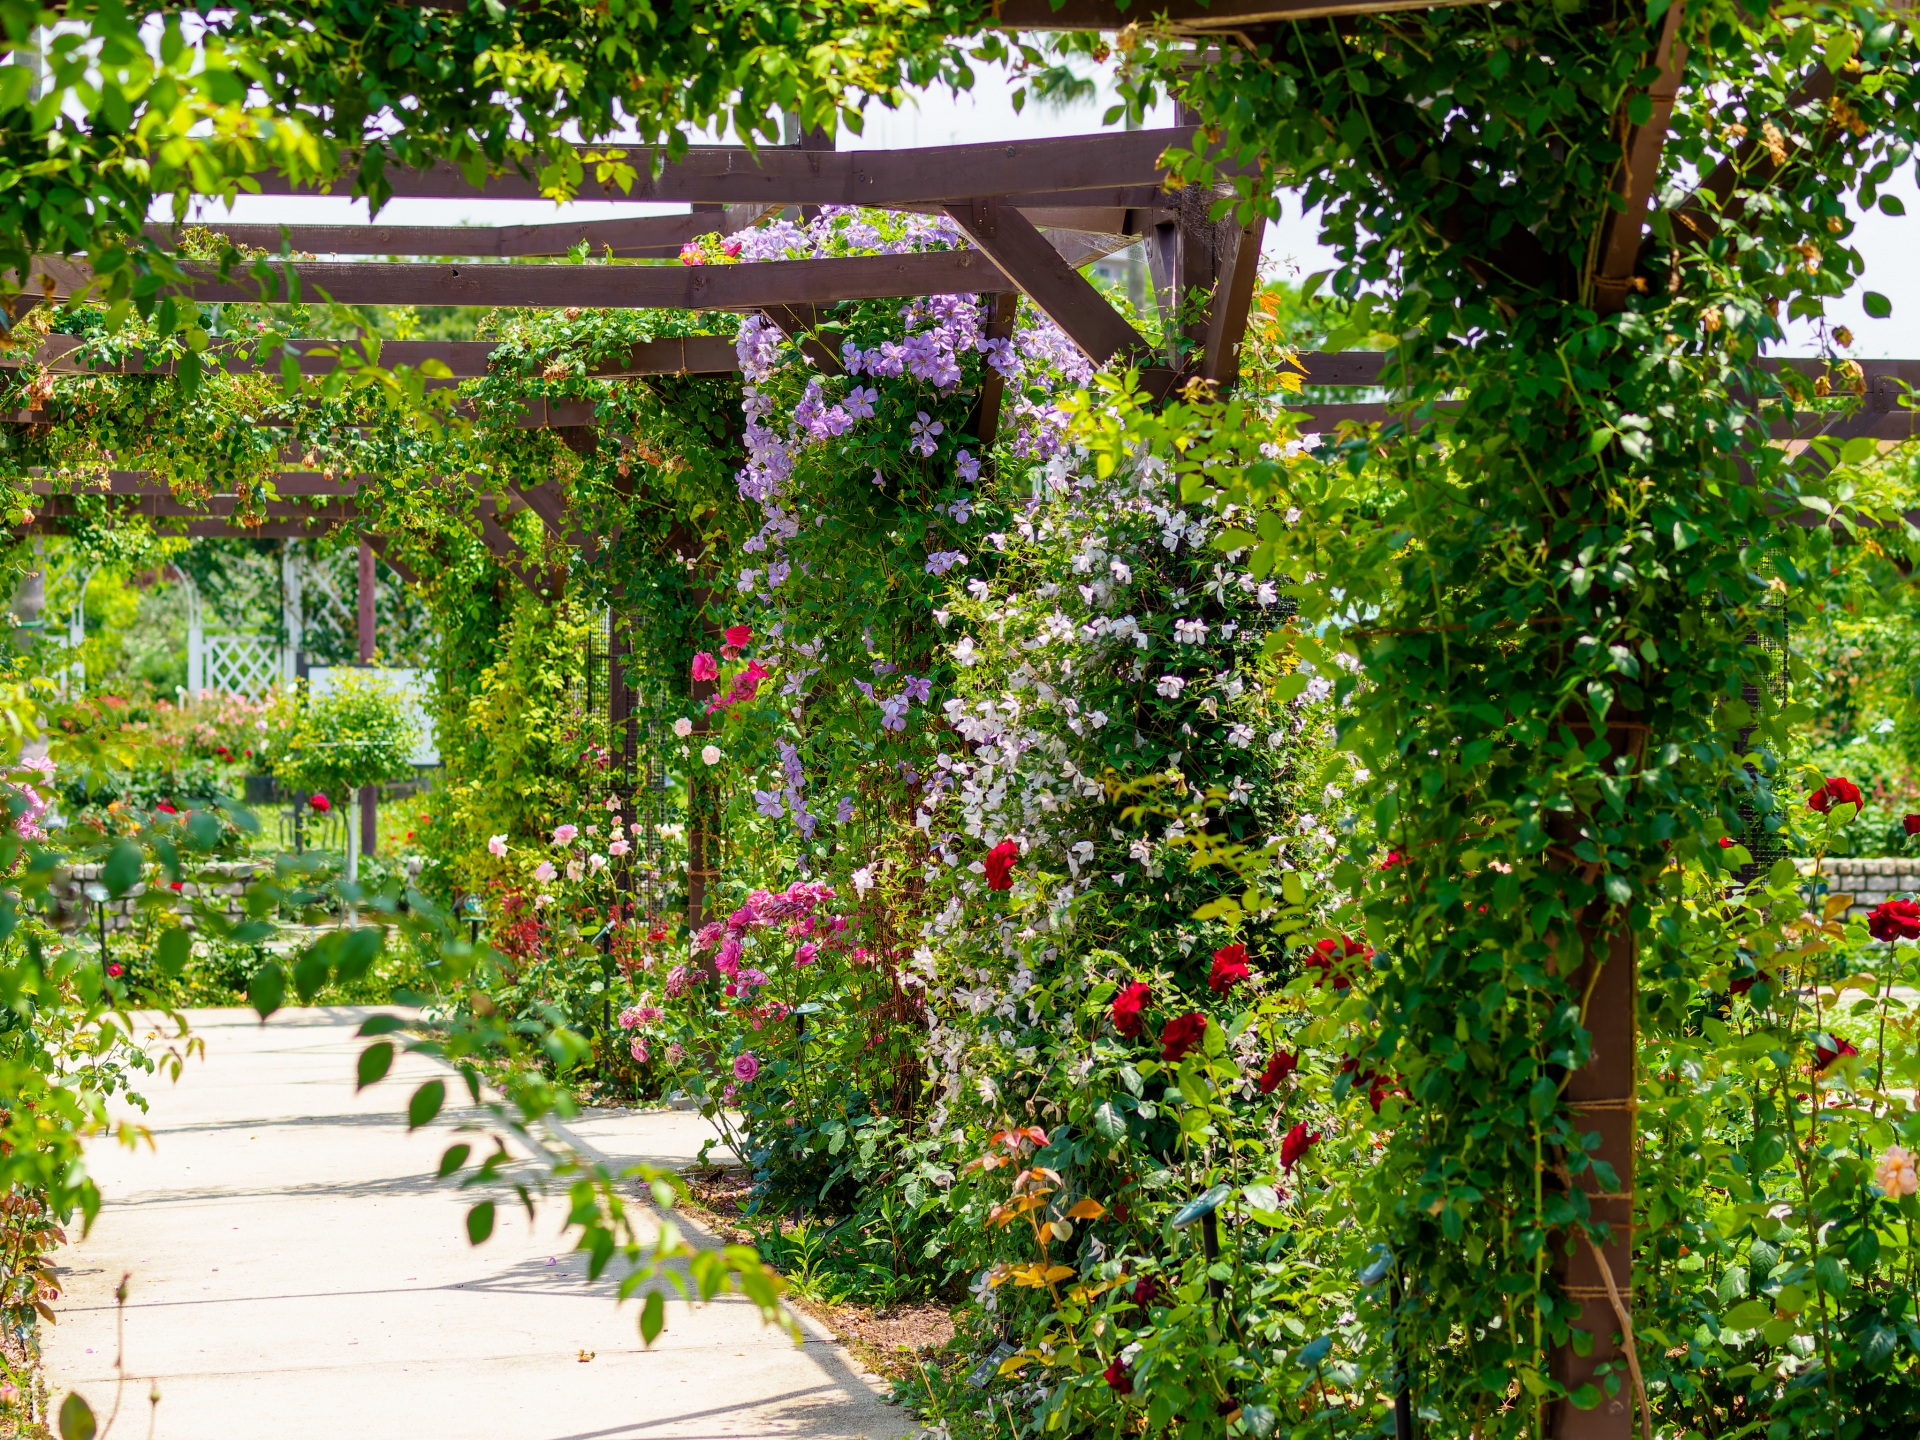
(711, 754)
(683, 727)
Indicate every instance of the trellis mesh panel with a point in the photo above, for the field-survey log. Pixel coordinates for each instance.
(241, 664)
(1765, 846)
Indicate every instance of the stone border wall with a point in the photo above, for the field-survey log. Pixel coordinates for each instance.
(1868, 881)
(220, 882)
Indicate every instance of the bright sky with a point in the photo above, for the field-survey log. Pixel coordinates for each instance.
(987, 115)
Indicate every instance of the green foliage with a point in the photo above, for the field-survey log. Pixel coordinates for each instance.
(359, 733)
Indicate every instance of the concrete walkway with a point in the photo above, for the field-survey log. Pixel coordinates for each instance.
(297, 1273)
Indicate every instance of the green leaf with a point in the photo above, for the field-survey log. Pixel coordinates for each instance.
(380, 1025)
(173, 950)
(1108, 1123)
(1748, 1315)
(375, 1061)
(1585, 1398)
(1859, 450)
(653, 1317)
(1876, 305)
(455, 1157)
(426, 1103)
(1891, 205)
(76, 1418)
(267, 989)
(16, 86)
(122, 870)
(309, 974)
(1640, 109)
(1877, 1344)
(480, 1223)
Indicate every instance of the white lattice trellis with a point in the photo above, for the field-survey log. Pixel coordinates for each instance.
(240, 664)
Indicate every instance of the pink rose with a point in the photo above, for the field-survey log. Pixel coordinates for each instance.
(544, 872)
(638, 1049)
(806, 954)
(705, 667)
(563, 834)
(745, 1067)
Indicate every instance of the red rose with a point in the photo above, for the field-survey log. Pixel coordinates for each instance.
(1394, 857)
(320, 803)
(116, 970)
(1330, 955)
(738, 635)
(1824, 1054)
(1741, 984)
(1835, 792)
(1895, 920)
(1118, 1378)
(166, 808)
(1181, 1035)
(1000, 865)
(1726, 843)
(176, 884)
(1911, 824)
(1282, 1064)
(1229, 968)
(1296, 1144)
(1127, 1008)
(1145, 1291)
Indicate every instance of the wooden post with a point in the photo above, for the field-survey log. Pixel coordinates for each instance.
(369, 794)
(1601, 1094)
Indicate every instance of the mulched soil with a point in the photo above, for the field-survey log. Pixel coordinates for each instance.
(888, 1342)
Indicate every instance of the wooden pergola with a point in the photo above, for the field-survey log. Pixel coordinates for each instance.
(1032, 212)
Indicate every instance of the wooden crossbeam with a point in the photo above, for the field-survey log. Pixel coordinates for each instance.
(1190, 16)
(646, 287)
(727, 174)
(1624, 228)
(1751, 166)
(993, 385)
(647, 236)
(797, 323)
(1083, 235)
(1239, 275)
(466, 359)
(1063, 294)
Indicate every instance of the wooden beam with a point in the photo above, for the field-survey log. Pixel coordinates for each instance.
(1193, 16)
(728, 175)
(985, 423)
(1232, 303)
(647, 236)
(1751, 166)
(1062, 293)
(648, 287)
(797, 323)
(382, 547)
(466, 359)
(1624, 227)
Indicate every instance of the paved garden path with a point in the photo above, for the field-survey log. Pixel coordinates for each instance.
(296, 1273)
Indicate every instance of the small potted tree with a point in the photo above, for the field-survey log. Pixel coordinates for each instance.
(360, 733)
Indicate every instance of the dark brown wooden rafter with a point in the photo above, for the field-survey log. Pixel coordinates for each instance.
(1232, 304)
(1753, 166)
(1003, 312)
(646, 236)
(384, 548)
(727, 174)
(1190, 16)
(1624, 227)
(465, 359)
(1061, 293)
(798, 323)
